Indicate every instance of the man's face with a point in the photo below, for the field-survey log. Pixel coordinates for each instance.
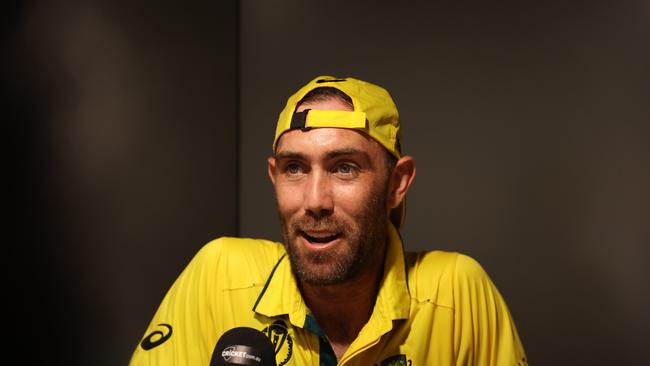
(331, 188)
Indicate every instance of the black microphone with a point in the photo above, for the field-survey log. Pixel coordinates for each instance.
(243, 346)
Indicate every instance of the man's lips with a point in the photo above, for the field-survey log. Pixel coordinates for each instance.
(319, 238)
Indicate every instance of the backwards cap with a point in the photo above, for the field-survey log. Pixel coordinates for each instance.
(374, 113)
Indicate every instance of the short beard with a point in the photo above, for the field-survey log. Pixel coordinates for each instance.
(365, 235)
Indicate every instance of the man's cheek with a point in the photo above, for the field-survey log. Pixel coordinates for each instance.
(289, 202)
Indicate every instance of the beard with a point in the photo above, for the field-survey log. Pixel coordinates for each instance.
(363, 241)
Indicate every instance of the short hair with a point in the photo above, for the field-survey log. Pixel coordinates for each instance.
(325, 93)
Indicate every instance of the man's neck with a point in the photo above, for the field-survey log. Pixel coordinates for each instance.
(342, 310)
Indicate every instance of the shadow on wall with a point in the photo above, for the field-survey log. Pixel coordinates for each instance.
(122, 126)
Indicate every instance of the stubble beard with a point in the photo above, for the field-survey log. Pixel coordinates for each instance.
(365, 237)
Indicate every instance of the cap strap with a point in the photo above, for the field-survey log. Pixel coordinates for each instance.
(298, 119)
(319, 118)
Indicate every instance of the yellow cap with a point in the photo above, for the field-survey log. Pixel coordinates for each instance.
(374, 113)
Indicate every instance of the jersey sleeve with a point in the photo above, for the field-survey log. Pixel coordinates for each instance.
(180, 328)
(484, 331)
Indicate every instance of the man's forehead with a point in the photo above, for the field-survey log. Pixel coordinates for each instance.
(318, 141)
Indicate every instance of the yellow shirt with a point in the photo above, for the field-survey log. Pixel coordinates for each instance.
(433, 308)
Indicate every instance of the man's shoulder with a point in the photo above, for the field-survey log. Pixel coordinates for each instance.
(233, 246)
(242, 259)
(435, 275)
(242, 250)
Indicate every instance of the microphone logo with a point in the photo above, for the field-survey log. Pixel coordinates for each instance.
(243, 346)
(239, 354)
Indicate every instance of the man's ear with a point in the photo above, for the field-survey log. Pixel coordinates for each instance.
(401, 179)
(271, 168)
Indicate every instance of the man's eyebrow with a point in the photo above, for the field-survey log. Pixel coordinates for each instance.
(346, 152)
(330, 154)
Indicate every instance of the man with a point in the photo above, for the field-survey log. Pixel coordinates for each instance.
(340, 289)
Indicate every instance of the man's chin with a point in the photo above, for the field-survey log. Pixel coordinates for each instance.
(324, 278)
(319, 269)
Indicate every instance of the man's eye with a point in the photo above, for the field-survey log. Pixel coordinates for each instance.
(293, 168)
(345, 169)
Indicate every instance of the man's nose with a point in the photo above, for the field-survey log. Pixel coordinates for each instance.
(318, 195)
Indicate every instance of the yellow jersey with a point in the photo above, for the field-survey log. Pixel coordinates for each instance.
(432, 308)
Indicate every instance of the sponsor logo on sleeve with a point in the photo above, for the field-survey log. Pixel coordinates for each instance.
(157, 337)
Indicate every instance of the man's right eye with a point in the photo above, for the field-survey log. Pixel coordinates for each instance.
(292, 168)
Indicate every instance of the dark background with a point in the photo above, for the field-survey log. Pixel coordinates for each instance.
(135, 132)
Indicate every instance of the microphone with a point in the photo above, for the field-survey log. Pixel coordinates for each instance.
(243, 346)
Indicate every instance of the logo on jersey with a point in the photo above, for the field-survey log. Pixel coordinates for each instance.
(397, 360)
(157, 337)
(278, 333)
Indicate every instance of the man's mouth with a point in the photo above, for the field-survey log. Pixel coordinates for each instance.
(320, 238)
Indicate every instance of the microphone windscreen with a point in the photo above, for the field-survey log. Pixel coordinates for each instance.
(243, 346)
